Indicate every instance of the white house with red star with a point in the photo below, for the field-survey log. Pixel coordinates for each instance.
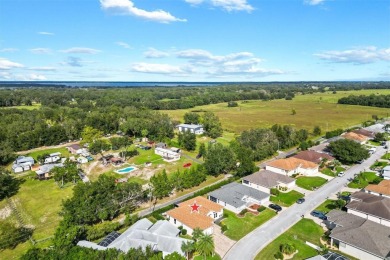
(198, 212)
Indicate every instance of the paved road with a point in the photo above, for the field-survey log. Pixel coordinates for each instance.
(249, 246)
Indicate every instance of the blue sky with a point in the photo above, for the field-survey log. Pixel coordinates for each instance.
(194, 40)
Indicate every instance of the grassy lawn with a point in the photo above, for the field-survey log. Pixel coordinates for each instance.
(339, 169)
(328, 172)
(64, 152)
(363, 179)
(374, 143)
(310, 183)
(386, 156)
(239, 227)
(304, 230)
(39, 203)
(378, 165)
(327, 206)
(310, 110)
(215, 257)
(286, 199)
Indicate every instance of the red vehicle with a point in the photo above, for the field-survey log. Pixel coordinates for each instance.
(187, 165)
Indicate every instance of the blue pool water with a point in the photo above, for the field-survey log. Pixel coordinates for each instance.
(126, 170)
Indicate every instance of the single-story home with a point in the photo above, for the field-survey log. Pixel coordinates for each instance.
(82, 160)
(290, 166)
(328, 256)
(381, 189)
(362, 131)
(196, 129)
(370, 206)
(169, 155)
(198, 212)
(22, 163)
(359, 237)
(313, 156)
(386, 172)
(75, 149)
(266, 180)
(377, 128)
(161, 236)
(44, 170)
(237, 197)
(161, 145)
(52, 158)
(361, 139)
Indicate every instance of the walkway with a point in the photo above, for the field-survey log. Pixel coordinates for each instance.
(249, 246)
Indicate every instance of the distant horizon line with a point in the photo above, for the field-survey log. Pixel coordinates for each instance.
(216, 82)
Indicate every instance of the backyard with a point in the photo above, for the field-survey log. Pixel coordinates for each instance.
(304, 230)
(238, 227)
(310, 183)
(286, 199)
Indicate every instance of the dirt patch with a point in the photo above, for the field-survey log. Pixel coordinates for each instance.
(5, 212)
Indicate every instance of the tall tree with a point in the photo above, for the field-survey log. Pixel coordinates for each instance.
(68, 173)
(219, 159)
(99, 146)
(191, 118)
(212, 125)
(205, 245)
(9, 185)
(161, 186)
(348, 151)
(90, 134)
(317, 130)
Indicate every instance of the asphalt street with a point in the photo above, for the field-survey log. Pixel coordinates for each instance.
(249, 246)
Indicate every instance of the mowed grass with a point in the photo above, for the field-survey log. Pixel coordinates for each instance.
(286, 199)
(238, 227)
(310, 183)
(304, 230)
(311, 110)
(363, 179)
(39, 203)
(327, 206)
(63, 150)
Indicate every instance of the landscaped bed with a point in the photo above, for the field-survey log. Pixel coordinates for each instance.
(297, 235)
(238, 227)
(286, 199)
(310, 183)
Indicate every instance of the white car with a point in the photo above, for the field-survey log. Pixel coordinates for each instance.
(341, 174)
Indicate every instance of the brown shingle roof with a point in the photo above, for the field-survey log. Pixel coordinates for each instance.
(361, 233)
(194, 219)
(355, 137)
(292, 163)
(268, 179)
(364, 132)
(370, 204)
(382, 188)
(313, 156)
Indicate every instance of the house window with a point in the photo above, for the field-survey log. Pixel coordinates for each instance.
(245, 181)
(174, 221)
(215, 214)
(213, 199)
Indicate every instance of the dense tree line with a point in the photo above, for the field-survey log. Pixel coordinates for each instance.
(370, 100)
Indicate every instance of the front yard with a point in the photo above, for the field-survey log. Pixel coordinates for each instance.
(310, 183)
(327, 206)
(286, 199)
(238, 227)
(363, 179)
(304, 230)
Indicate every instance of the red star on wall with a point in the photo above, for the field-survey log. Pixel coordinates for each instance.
(195, 207)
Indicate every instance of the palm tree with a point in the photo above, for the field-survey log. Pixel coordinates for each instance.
(197, 233)
(205, 245)
(188, 248)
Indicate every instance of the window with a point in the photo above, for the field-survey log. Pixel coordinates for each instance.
(174, 221)
(245, 181)
(215, 215)
(213, 199)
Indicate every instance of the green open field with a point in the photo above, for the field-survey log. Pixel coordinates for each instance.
(39, 203)
(34, 106)
(315, 109)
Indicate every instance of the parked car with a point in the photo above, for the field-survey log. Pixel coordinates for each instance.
(341, 174)
(360, 161)
(318, 214)
(300, 201)
(275, 207)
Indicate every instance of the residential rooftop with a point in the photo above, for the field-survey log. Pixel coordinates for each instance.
(355, 137)
(292, 163)
(382, 188)
(313, 156)
(191, 126)
(374, 205)
(268, 179)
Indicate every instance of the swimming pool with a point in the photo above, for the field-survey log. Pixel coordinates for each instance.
(126, 170)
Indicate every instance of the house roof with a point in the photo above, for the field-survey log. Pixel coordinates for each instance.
(313, 156)
(195, 219)
(382, 188)
(74, 146)
(361, 233)
(292, 163)
(355, 137)
(377, 128)
(234, 193)
(364, 132)
(370, 204)
(190, 126)
(268, 179)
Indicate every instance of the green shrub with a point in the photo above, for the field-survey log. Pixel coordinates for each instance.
(262, 208)
(275, 191)
(287, 249)
(243, 212)
(279, 256)
(100, 230)
(184, 231)
(224, 228)
(294, 175)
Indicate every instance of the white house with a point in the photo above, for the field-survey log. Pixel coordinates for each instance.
(237, 197)
(53, 158)
(266, 180)
(82, 160)
(198, 212)
(22, 163)
(290, 166)
(168, 154)
(386, 173)
(196, 129)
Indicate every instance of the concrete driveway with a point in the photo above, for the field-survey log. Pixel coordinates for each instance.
(222, 243)
(249, 246)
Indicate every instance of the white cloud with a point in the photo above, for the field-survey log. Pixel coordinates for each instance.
(127, 7)
(5, 75)
(43, 68)
(81, 50)
(45, 33)
(314, 2)
(228, 5)
(199, 56)
(154, 53)
(8, 50)
(40, 51)
(362, 55)
(36, 77)
(156, 68)
(124, 45)
(7, 64)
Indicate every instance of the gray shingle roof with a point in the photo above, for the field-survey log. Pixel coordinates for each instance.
(190, 126)
(233, 194)
(268, 179)
(370, 204)
(361, 233)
